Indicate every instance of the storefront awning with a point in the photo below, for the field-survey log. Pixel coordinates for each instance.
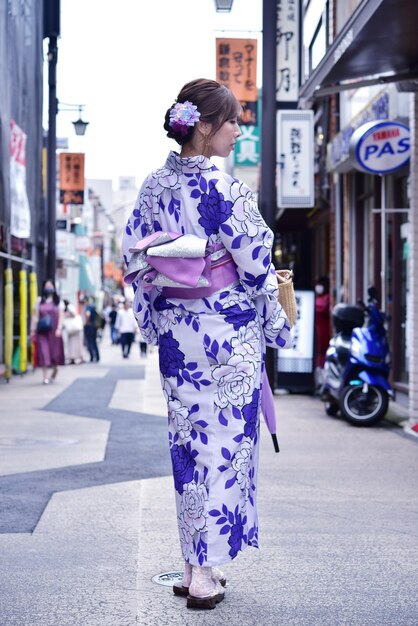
(377, 44)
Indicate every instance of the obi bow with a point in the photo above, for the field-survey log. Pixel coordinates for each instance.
(165, 259)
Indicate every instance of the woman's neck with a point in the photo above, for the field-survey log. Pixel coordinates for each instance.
(187, 153)
(190, 150)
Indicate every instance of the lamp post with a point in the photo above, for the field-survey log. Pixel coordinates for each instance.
(52, 31)
(51, 156)
(80, 129)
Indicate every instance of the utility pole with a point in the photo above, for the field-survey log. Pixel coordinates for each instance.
(51, 171)
(51, 30)
(268, 202)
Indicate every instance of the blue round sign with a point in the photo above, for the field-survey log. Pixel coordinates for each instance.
(380, 147)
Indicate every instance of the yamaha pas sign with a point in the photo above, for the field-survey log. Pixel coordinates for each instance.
(380, 147)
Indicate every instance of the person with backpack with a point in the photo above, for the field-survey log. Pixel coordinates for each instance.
(46, 330)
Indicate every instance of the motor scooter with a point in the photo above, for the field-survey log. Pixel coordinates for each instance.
(357, 364)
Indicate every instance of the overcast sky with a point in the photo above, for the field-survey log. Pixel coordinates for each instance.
(126, 61)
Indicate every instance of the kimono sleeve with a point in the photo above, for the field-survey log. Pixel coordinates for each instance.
(138, 226)
(245, 234)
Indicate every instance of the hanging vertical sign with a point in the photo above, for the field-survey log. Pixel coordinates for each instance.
(236, 68)
(295, 147)
(288, 50)
(71, 177)
(19, 203)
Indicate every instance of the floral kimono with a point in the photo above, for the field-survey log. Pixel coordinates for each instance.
(211, 350)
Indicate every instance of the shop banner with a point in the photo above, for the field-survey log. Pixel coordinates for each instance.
(236, 68)
(300, 358)
(71, 178)
(295, 367)
(288, 51)
(295, 148)
(19, 203)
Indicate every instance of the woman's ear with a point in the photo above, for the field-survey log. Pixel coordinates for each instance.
(204, 128)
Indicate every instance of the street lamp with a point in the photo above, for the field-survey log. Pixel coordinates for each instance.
(223, 6)
(80, 126)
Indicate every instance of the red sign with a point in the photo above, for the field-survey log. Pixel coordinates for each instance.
(71, 178)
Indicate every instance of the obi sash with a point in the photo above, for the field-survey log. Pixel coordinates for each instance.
(185, 266)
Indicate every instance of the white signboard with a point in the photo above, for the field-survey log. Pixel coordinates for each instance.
(380, 147)
(287, 83)
(300, 357)
(295, 156)
(64, 242)
(20, 211)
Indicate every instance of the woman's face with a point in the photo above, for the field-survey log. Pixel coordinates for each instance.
(49, 286)
(224, 140)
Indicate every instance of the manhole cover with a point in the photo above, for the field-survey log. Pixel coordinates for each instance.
(18, 442)
(168, 578)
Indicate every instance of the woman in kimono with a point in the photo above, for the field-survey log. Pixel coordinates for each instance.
(198, 255)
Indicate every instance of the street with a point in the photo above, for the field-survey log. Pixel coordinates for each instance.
(88, 519)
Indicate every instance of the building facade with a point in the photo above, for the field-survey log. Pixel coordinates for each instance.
(351, 77)
(22, 201)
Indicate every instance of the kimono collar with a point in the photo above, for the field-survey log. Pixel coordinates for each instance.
(189, 165)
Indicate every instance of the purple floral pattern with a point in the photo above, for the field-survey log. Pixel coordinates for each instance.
(171, 358)
(211, 353)
(214, 211)
(182, 458)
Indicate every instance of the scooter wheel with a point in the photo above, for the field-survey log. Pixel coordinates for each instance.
(331, 409)
(364, 405)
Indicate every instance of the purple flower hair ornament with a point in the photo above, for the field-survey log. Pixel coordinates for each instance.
(183, 115)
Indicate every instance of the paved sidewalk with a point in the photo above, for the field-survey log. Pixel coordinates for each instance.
(338, 511)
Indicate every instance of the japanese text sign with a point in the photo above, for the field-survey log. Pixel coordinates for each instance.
(295, 147)
(287, 40)
(236, 68)
(71, 178)
(247, 149)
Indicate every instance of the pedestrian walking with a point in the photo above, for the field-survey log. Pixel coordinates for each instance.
(126, 327)
(73, 330)
(112, 321)
(143, 346)
(90, 330)
(198, 255)
(46, 330)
